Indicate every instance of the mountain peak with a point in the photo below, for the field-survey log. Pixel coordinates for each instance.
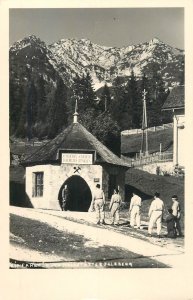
(155, 40)
(85, 40)
(27, 41)
(32, 37)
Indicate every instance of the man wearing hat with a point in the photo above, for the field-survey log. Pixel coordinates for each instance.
(176, 211)
(156, 214)
(98, 204)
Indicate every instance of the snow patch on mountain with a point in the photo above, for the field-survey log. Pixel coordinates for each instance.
(71, 57)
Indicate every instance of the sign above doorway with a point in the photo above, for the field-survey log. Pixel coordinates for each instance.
(77, 157)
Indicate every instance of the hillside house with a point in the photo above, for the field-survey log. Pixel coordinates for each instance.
(175, 102)
(77, 159)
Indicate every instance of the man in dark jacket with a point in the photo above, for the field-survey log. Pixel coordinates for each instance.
(170, 220)
(65, 197)
(176, 211)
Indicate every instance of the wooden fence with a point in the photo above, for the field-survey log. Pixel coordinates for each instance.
(153, 129)
(153, 158)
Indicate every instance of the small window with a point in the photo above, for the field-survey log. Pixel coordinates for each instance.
(38, 184)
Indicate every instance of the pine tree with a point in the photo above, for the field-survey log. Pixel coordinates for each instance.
(121, 106)
(28, 115)
(57, 118)
(158, 97)
(42, 101)
(21, 130)
(107, 130)
(105, 99)
(31, 109)
(41, 126)
(117, 95)
(134, 101)
(182, 77)
(16, 95)
(89, 96)
(75, 94)
(99, 123)
(83, 92)
(144, 83)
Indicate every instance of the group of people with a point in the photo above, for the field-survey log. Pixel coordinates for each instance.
(172, 219)
(98, 204)
(156, 212)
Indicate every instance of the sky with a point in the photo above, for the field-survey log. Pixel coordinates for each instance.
(116, 27)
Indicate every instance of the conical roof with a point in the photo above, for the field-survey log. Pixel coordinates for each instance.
(74, 137)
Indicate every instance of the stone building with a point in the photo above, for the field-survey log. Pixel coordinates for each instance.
(175, 102)
(77, 159)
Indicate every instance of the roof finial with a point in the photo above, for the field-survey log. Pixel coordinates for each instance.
(75, 115)
(76, 106)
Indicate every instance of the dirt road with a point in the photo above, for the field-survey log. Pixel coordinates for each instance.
(108, 237)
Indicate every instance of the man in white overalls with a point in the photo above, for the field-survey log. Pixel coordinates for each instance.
(114, 206)
(98, 203)
(135, 214)
(155, 214)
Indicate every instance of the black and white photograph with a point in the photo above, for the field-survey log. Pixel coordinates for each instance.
(96, 138)
(96, 150)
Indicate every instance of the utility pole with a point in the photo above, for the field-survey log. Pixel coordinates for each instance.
(144, 142)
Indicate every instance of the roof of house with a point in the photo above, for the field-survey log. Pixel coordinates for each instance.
(74, 137)
(175, 99)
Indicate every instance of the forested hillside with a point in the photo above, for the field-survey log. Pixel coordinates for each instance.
(44, 88)
(39, 109)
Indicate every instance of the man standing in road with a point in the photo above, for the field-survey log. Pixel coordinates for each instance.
(156, 214)
(176, 211)
(114, 206)
(98, 203)
(134, 209)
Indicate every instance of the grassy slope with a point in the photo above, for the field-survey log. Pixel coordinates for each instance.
(41, 237)
(132, 143)
(21, 149)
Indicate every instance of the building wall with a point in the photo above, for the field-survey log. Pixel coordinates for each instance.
(120, 180)
(121, 184)
(179, 137)
(39, 202)
(165, 167)
(54, 178)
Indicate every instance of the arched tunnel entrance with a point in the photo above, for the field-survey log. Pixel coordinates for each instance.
(79, 194)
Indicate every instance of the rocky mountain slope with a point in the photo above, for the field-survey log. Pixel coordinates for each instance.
(70, 57)
(30, 57)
